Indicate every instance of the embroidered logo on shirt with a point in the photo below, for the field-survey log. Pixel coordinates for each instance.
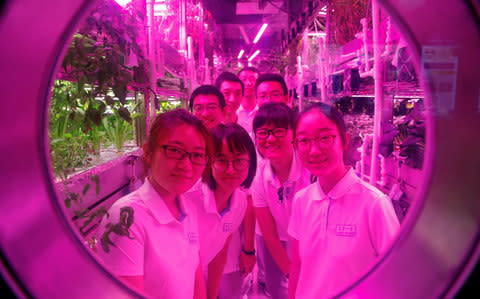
(192, 238)
(227, 227)
(346, 230)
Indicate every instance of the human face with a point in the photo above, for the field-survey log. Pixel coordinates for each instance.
(323, 157)
(271, 91)
(248, 78)
(232, 91)
(173, 177)
(233, 176)
(207, 108)
(274, 147)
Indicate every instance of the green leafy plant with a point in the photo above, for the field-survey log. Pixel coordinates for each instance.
(96, 136)
(117, 130)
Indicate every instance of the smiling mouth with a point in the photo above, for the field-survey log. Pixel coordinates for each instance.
(318, 162)
(182, 176)
(272, 147)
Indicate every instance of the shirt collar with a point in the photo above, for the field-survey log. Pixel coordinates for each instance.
(209, 199)
(157, 206)
(339, 190)
(241, 109)
(210, 204)
(296, 171)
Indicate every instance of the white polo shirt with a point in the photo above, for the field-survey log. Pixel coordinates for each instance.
(245, 119)
(265, 188)
(158, 246)
(340, 234)
(215, 228)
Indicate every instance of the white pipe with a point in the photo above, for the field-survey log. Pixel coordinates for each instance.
(348, 56)
(366, 74)
(365, 45)
(388, 37)
(377, 66)
(337, 72)
(151, 111)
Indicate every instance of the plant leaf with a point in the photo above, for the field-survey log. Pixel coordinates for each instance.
(125, 114)
(85, 189)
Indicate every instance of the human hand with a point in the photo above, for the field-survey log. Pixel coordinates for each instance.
(247, 262)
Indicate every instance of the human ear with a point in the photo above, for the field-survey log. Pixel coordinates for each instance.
(347, 141)
(146, 153)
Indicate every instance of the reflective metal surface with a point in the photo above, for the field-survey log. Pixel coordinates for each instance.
(43, 258)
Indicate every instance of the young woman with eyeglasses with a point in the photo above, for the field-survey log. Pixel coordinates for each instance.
(274, 186)
(149, 238)
(340, 224)
(222, 208)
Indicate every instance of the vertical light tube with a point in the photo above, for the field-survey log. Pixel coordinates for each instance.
(240, 54)
(254, 55)
(378, 78)
(260, 32)
(300, 82)
(189, 47)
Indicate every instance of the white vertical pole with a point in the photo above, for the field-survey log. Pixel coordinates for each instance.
(151, 54)
(377, 66)
(322, 82)
(365, 42)
(299, 83)
(207, 72)
(190, 67)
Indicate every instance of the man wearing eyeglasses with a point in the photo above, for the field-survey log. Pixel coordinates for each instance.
(207, 103)
(271, 88)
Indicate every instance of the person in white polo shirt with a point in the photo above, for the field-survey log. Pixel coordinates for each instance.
(340, 224)
(222, 206)
(273, 189)
(149, 238)
(248, 107)
(232, 89)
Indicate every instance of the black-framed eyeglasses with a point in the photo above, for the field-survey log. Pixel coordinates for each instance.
(175, 153)
(209, 107)
(274, 95)
(277, 132)
(237, 164)
(322, 141)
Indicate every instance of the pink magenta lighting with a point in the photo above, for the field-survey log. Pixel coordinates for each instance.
(123, 3)
(240, 54)
(254, 55)
(260, 32)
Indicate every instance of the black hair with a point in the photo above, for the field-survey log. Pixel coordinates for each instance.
(228, 76)
(206, 90)
(167, 122)
(271, 77)
(329, 111)
(250, 69)
(278, 114)
(238, 140)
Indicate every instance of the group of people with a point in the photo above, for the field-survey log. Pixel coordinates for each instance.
(241, 180)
